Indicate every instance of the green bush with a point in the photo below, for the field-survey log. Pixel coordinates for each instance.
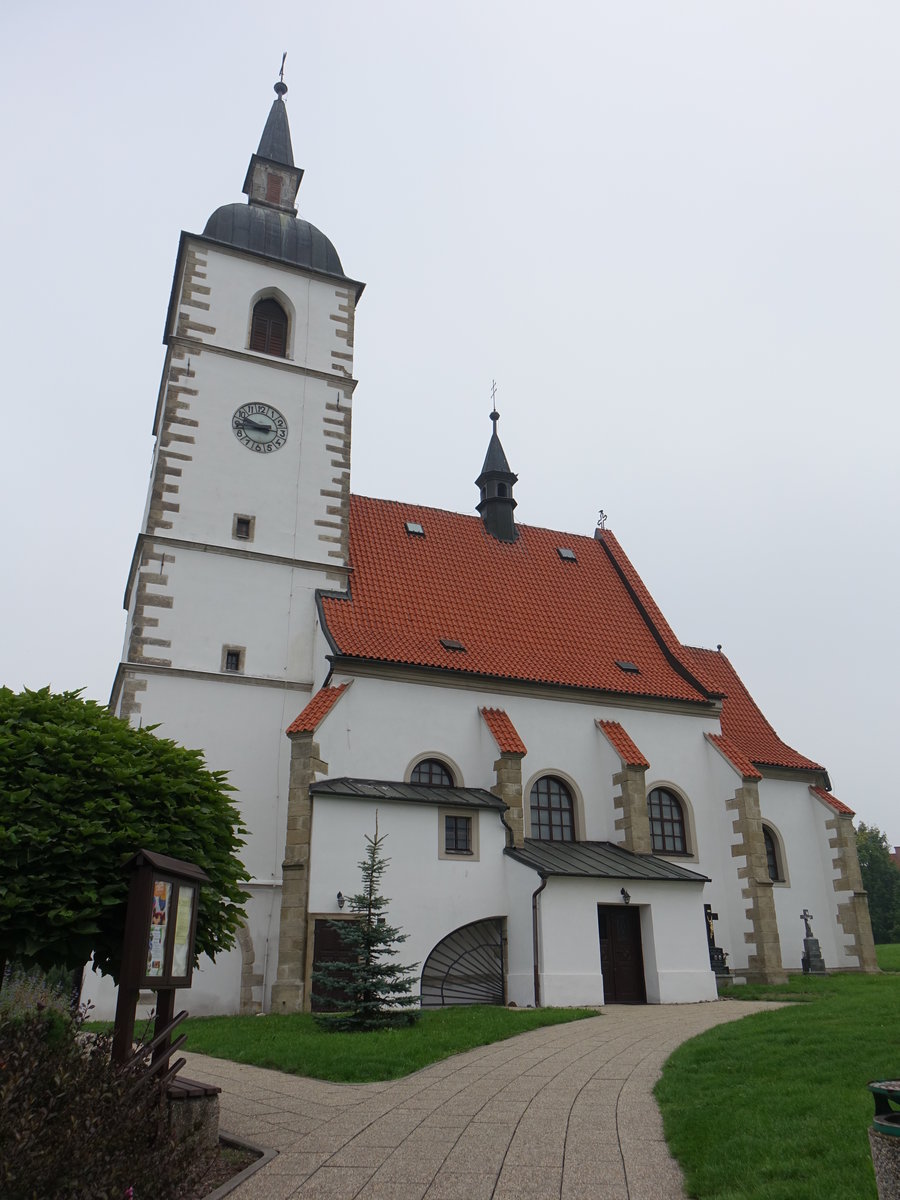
(76, 1127)
(80, 792)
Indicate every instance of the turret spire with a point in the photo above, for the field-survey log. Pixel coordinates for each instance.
(272, 179)
(496, 482)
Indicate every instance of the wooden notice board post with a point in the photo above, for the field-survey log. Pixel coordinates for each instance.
(158, 950)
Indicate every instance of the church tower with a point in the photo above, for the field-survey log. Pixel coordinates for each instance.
(248, 502)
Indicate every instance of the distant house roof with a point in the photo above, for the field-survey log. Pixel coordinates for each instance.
(317, 709)
(598, 860)
(345, 788)
(516, 609)
(837, 805)
(622, 744)
(503, 731)
(743, 724)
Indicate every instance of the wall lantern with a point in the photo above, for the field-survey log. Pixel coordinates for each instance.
(160, 931)
(626, 896)
(341, 899)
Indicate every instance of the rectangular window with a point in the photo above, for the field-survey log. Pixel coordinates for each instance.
(457, 835)
(243, 527)
(233, 659)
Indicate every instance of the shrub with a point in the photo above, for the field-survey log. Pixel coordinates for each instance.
(367, 990)
(80, 792)
(76, 1127)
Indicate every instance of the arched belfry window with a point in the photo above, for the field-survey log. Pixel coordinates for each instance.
(552, 811)
(667, 828)
(268, 330)
(431, 772)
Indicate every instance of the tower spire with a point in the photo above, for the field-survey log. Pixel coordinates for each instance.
(495, 482)
(272, 179)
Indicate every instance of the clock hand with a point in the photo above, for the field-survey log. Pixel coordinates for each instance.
(248, 424)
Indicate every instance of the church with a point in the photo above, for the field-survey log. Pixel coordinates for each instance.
(577, 808)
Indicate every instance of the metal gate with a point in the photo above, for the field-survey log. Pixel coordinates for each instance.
(466, 967)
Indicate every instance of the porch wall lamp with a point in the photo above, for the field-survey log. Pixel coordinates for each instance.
(341, 899)
(626, 896)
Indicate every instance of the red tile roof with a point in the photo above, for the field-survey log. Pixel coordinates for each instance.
(622, 744)
(743, 725)
(519, 610)
(503, 731)
(739, 761)
(318, 708)
(833, 801)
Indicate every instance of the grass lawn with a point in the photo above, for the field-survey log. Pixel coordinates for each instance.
(775, 1107)
(295, 1044)
(888, 957)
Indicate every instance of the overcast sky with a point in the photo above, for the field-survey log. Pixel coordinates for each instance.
(668, 230)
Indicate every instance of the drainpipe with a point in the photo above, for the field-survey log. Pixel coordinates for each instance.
(535, 941)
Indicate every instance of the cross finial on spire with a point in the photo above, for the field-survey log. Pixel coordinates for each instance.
(495, 416)
(281, 86)
(601, 520)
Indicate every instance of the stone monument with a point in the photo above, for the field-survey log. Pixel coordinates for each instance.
(812, 961)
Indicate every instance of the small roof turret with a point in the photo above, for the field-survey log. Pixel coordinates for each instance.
(496, 481)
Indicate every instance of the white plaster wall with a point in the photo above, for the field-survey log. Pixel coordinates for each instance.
(281, 489)
(235, 280)
(521, 883)
(220, 600)
(676, 959)
(800, 820)
(717, 861)
(393, 722)
(241, 729)
(430, 897)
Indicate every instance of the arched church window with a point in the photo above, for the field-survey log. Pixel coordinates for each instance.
(268, 330)
(552, 811)
(431, 772)
(773, 858)
(667, 834)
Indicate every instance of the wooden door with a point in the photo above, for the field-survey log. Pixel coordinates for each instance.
(621, 954)
(327, 948)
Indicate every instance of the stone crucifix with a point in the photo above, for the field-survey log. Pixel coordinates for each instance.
(806, 916)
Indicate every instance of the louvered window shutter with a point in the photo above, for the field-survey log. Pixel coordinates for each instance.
(268, 329)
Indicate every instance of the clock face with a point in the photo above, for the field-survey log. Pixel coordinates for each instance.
(259, 427)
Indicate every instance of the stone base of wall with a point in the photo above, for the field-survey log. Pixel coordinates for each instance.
(287, 997)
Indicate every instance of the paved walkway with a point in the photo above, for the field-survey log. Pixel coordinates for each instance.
(564, 1113)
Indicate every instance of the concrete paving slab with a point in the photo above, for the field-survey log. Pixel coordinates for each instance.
(564, 1113)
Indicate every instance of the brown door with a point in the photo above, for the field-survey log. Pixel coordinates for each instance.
(621, 956)
(328, 948)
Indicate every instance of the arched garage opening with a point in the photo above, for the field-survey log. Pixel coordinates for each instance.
(466, 967)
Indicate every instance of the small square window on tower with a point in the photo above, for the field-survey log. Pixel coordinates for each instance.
(233, 659)
(243, 527)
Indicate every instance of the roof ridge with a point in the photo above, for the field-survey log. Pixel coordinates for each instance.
(452, 512)
(651, 612)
